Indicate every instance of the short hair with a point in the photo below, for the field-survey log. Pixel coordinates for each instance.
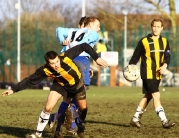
(50, 55)
(82, 20)
(89, 20)
(156, 20)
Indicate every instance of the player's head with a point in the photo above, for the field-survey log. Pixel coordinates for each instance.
(156, 26)
(52, 60)
(81, 22)
(92, 23)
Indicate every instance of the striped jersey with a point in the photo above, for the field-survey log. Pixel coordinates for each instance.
(77, 36)
(153, 53)
(67, 76)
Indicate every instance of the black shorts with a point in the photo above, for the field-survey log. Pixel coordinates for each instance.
(78, 91)
(150, 86)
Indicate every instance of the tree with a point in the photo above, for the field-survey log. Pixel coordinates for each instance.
(8, 7)
(171, 15)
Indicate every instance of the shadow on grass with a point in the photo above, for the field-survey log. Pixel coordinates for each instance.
(18, 132)
(107, 123)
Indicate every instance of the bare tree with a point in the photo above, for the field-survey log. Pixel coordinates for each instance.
(172, 11)
(8, 10)
(33, 5)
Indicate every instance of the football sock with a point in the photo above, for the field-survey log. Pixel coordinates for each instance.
(74, 103)
(82, 114)
(53, 117)
(42, 122)
(138, 114)
(80, 124)
(80, 119)
(61, 115)
(73, 110)
(160, 112)
(73, 125)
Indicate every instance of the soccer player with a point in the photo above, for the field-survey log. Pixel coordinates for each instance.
(154, 52)
(70, 37)
(67, 82)
(72, 108)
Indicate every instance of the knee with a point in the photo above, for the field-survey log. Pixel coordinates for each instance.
(48, 109)
(82, 107)
(156, 96)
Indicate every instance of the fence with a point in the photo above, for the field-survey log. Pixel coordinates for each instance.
(35, 44)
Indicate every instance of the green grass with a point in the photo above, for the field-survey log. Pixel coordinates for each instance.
(109, 114)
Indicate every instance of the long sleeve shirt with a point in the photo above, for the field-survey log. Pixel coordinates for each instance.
(153, 53)
(77, 36)
(67, 76)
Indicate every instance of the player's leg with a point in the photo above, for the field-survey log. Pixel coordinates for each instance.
(135, 121)
(53, 120)
(83, 64)
(61, 112)
(82, 111)
(57, 119)
(157, 104)
(160, 111)
(52, 100)
(70, 115)
(80, 119)
(67, 114)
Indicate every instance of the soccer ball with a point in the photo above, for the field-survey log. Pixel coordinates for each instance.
(131, 72)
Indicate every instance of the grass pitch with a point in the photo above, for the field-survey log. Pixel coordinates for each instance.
(110, 110)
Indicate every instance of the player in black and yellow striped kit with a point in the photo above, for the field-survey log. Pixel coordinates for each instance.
(154, 54)
(68, 82)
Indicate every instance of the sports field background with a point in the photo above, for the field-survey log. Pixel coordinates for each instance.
(109, 114)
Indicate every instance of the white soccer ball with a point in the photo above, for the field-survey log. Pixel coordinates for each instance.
(131, 72)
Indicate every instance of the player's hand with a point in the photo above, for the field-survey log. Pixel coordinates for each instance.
(7, 93)
(66, 42)
(163, 68)
(91, 73)
(101, 62)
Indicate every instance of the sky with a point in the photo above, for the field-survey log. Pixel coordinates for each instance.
(177, 6)
(134, 1)
(88, 3)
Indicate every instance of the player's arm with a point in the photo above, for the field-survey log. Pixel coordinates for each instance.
(166, 59)
(75, 51)
(61, 34)
(28, 82)
(64, 35)
(137, 53)
(91, 73)
(68, 40)
(167, 54)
